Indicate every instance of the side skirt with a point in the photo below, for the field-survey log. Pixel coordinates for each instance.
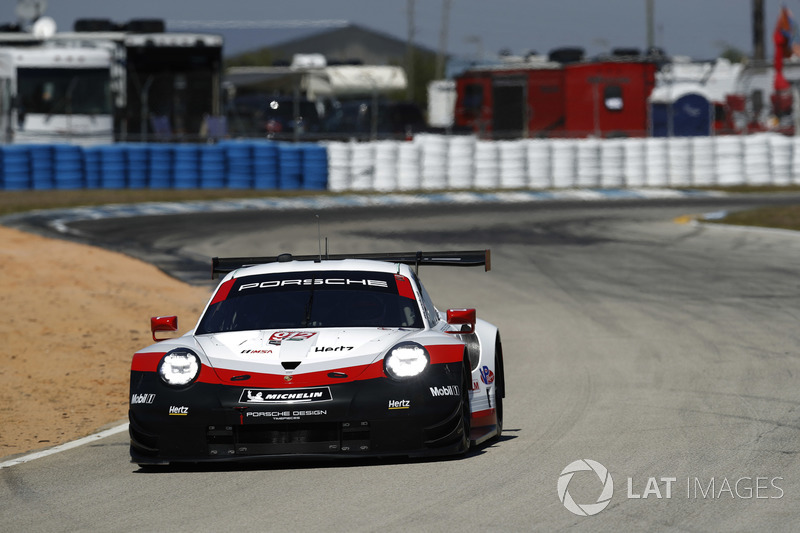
(484, 426)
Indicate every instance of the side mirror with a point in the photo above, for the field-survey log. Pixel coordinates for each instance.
(163, 323)
(461, 317)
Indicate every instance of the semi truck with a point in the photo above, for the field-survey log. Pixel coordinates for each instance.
(52, 94)
(160, 85)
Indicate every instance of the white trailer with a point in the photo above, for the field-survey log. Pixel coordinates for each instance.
(56, 95)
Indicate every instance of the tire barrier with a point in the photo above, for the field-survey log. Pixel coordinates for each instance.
(42, 172)
(68, 165)
(428, 162)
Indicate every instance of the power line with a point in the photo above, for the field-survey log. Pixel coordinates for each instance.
(255, 24)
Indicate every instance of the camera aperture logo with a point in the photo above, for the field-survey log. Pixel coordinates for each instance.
(585, 509)
(715, 488)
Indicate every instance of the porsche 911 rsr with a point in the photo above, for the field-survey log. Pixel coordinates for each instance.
(336, 356)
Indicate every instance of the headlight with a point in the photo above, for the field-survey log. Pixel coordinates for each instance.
(406, 360)
(179, 367)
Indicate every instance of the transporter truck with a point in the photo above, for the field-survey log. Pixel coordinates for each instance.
(52, 94)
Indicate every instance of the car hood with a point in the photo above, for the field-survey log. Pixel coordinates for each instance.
(296, 352)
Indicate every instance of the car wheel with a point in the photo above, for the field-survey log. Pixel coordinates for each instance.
(500, 387)
(466, 410)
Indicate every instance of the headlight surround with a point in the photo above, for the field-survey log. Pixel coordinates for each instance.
(406, 360)
(179, 368)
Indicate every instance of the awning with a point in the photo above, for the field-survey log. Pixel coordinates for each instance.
(348, 80)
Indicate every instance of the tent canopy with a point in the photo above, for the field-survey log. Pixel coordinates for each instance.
(349, 80)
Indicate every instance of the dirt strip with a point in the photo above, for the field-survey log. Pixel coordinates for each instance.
(73, 317)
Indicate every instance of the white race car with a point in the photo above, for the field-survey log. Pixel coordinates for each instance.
(334, 355)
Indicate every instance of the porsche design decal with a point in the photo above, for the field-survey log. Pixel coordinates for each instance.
(285, 415)
(310, 395)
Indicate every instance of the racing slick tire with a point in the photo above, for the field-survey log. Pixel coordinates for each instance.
(466, 410)
(500, 385)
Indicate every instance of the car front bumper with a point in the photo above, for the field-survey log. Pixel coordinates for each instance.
(372, 417)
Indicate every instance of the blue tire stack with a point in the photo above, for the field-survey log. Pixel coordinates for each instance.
(290, 166)
(112, 167)
(160, 166)
(315, 167)
(16, 170)
(240, 164)
(42, 174)
(186, 166)
(68, 166)
(91, 165)
(212, 167)
(137, 156)
(265, 165)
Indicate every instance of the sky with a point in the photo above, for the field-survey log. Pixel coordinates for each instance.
(700, 29)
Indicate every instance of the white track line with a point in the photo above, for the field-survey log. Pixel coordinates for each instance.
(66, 446)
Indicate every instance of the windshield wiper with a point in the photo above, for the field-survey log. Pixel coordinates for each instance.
(307, 320)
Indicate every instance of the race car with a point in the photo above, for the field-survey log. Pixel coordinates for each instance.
(328, 355)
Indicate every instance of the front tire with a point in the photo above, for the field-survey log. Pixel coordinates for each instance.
(466, 409)
(500, 386)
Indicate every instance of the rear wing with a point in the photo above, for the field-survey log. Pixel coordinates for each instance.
(223, 265)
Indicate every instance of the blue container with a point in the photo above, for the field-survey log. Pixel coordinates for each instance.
(290, 166)
(315, 167)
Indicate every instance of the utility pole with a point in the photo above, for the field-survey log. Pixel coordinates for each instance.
(441, 57)
(410, 52)
(758, 30)
(651, 37)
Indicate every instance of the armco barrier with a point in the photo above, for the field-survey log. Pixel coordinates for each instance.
(429, 162)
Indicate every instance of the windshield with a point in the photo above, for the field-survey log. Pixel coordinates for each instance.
(59, 91)
(312, 299)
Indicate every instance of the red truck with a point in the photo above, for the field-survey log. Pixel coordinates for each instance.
(602, 98)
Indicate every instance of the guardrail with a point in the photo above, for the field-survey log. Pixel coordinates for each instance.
(428, 162)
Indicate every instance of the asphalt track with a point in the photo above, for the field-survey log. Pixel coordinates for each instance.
(660, 350)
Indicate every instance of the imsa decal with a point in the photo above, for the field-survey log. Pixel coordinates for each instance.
(310, 395)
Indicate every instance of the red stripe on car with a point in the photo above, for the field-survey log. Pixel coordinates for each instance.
(487, 417)
(404, 287)
(223, 291)
(279, 381)
(446, 353)
(146, 362)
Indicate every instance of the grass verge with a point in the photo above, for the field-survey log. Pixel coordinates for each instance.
(785, 217)
(19, 201)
